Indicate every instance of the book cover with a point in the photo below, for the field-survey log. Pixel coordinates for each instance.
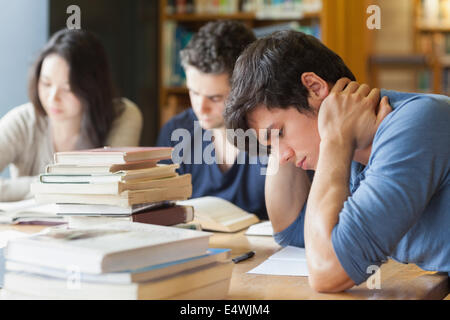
(108, 155)
(161, 288)
(127, 276)
(125, 199)
(158, 172)
(111, 247)
(90, 169)
(168, 216)
(114, 188)
(100, 209)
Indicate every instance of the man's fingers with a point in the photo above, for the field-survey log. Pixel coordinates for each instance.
(340, 85)
(385, 109)
(374, 97)
(351, 87)
(364, 90)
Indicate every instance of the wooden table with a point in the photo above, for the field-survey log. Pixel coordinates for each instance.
(398, 281)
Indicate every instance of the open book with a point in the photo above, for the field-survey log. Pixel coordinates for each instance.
(29, 212)
(217, 214)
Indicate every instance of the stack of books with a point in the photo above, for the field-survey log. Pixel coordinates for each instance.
(119, 183)
(116, 260)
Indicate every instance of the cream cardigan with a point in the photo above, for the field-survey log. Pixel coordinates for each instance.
(26, 144)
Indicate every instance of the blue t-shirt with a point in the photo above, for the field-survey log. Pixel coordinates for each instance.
(399, 205)
(242, 184)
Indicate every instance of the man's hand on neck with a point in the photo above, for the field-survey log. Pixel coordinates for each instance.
(348, 120)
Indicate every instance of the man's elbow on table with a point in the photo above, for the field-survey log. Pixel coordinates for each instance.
(335, 279)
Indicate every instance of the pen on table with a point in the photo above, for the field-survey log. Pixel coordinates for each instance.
(243, 257)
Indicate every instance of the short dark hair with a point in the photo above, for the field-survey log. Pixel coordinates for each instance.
(89, 78)
(268, 73)
(216, 46)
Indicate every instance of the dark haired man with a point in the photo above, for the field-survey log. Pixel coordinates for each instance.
(208, 61)
(381, 184)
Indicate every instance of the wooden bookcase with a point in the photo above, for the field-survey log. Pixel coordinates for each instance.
(425, 61)
(336, 19)
(431, 31)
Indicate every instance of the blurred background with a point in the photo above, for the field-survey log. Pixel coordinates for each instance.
(409, 52)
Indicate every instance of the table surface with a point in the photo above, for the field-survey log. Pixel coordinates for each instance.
(398, 281)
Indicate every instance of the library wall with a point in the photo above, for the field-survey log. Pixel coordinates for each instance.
(20, 46)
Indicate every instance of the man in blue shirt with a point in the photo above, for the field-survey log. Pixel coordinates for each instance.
(198, 135)
(381, 185)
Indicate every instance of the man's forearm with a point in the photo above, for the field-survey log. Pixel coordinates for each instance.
(286, 192)
(328, 193)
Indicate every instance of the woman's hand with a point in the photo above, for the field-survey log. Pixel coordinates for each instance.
(351, 114)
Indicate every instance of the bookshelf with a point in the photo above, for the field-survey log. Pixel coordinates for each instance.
(339, 15)
(426, 58)
(432, 39)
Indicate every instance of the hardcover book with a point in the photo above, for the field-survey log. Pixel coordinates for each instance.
(159, 172)
(100, 168)
(113, 188)
(111, 247)
(46, 287)
(128, 276)
(125, 199)
(109, 155)
(167, 216)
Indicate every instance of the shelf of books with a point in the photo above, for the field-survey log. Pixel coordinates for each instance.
(432, 29)
(178, 21)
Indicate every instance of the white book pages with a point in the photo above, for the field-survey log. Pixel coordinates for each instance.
(260, 229)
(289, 261)
(28, 211)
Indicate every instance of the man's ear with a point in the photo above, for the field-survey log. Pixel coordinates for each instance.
(318, 88)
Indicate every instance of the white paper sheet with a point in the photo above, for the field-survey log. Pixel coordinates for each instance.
(7, 235)
(17, 205)
(28, 211)
(289, 261)
(260, 229)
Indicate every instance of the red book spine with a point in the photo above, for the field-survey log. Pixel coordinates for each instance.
(166, 216)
